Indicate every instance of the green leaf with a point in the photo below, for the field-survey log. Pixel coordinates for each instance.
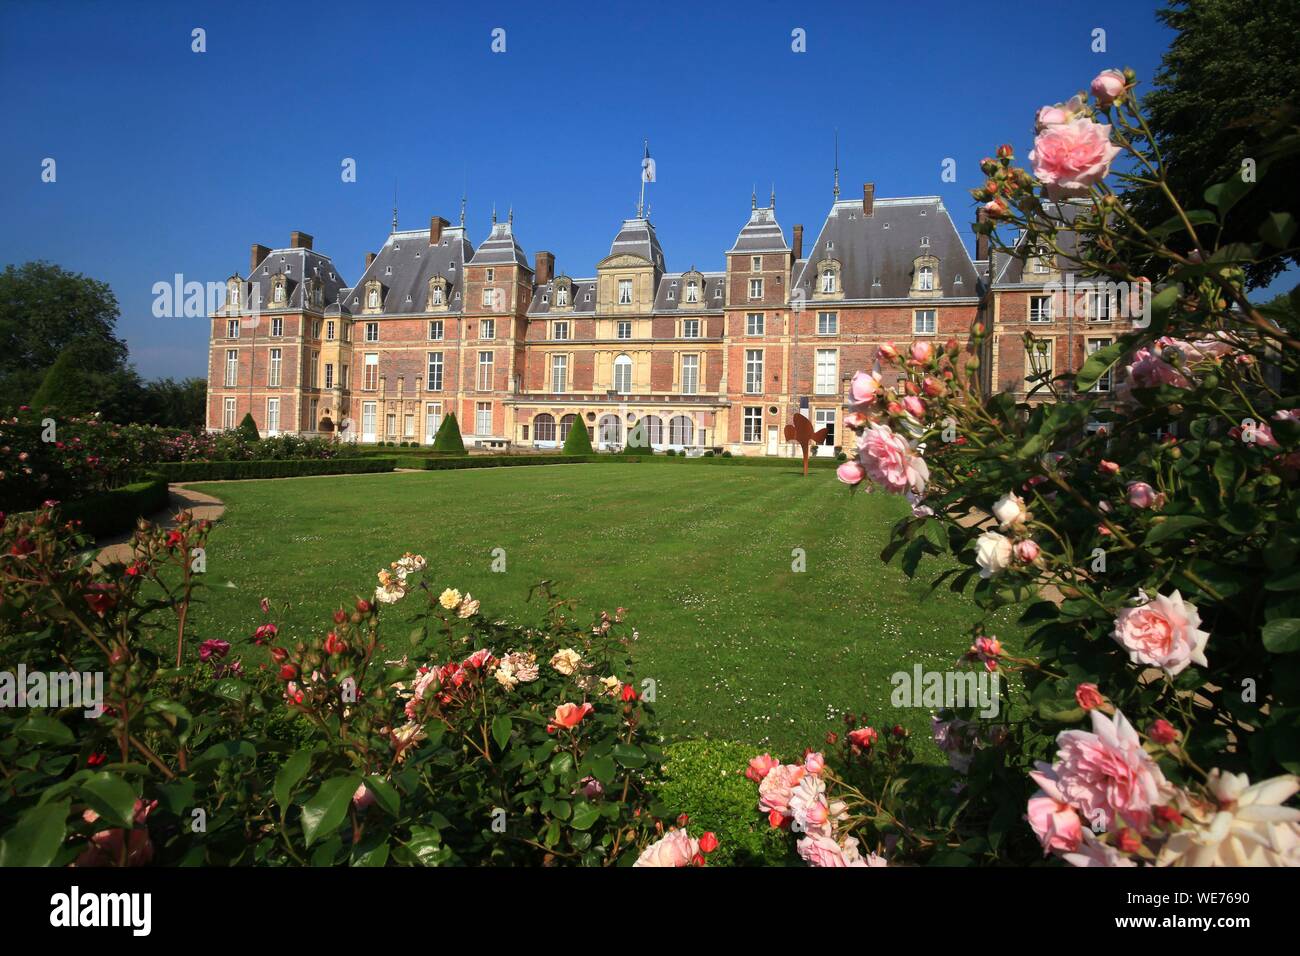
(426, 846)
(226, 750)
(291, 772)
(1223, 196)
(1282, 636)
(1278, 229)
(111, 796)
(602, 768)
(629, 756)
(1167, 527)
(1096, 365)
(322, 814)
(501, 730)
(36, 838)
(39, 729)
(584, 815)
(386, 794)
(373, 851)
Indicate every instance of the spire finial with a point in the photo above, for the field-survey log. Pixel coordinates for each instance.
(773, 203)
(462, 210)
(753, 196)
(511, 217)
(494, 213)
(394, 205)
(837, 164)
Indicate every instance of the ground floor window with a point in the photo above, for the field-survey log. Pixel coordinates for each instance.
(825, 418)
(610, 430)
(544, 428)
(753, 422)
(681, 431)
(390, 423)
(483, 418)
(566, 423)
(408, 425)
(652, 426)
(432, 419)
(368, 421)
(272, 416)
(228, 414)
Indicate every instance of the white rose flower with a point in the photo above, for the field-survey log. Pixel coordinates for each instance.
(1009, 510)
(1251, 826)
(992, 553)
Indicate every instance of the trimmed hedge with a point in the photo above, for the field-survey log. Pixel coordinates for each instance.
(507, 461)
(287, 468)
(112, 512)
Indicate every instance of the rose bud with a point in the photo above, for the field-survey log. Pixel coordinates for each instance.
(363, 606)
(340, 616)
(288, 672)
(1088, 696)
(708, 842)
(1163, 732)
(1027, 550)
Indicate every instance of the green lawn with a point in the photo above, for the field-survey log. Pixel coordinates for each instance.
(740, 646)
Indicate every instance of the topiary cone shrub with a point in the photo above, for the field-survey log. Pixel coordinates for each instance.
(448, 438)
(578, 442)
(248, 427)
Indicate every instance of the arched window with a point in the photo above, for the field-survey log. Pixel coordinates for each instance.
(610, 430)
(566, 423)
(623, 375)
(925, 279)
(828, 281)
(653, 426)
(681, 431)
(544, 428)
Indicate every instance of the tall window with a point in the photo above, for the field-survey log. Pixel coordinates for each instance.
(544, 427)
(681, 431)
(371, 381)
(828, 280)
(690, 328)
(827, 371)
(1100, 310)
(489, 298)
(273, 416)
(754, 323)
(925, 279)
(487, 329)
(753, 371)
(562, 297)
(1039, 354)
(372, 331)
(690, 374)
(485, 360)
(277, 327)
(560, 331)
(753, 423)
(624, 291)
(1040, 308)
(756, 288)
(436, 296)
(559, 373)
(329, 330)
(228, 414)
(567, 423)
(692, 290)
(311, 369)
(435, 330)
(232, 367)
(755, 263)
(232, 328)
(623, 375)
(372, 299)
(433, 380)
(483, 418)
(273, 373)
(329, 374)
(923, 322)
(825, 418)
(1103, 383)
(624, 329)
(828, 323)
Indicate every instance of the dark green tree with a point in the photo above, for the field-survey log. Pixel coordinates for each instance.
(67, 387)
(44, 309)
(248, 427)
(1227, 78)
(579, 441)
(448, 438)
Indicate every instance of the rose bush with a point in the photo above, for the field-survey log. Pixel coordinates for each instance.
(1154, 553)
(485, 743)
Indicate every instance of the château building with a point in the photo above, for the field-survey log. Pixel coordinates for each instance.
(522, 350)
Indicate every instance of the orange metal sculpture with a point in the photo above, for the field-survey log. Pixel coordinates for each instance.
(801, 431)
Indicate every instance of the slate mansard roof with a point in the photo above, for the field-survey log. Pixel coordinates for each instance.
(582, 301)
(884, 246)
(500, 248)
(296, 265)
(637, 237)
(1010, 269)
(761, 234)
(404, 267)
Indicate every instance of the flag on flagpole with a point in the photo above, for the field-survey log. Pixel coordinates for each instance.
(647, 166)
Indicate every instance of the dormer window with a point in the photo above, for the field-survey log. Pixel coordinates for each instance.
(828, 281)
(438, 288)
(925, 242)
(692, 291)
(828, 278)
(279, 289)
(925, 279)
(232, 294)
(435, 295)
(624, 291)
(925, 276)
(374, 296)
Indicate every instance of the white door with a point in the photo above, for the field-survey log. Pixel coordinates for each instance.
(432, 419)
(825, 418)
(772, 446)
(368, 421)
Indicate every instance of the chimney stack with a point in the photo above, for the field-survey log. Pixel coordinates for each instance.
(798, 242)
(545, 270)
(868, 198)
(370, 257)
(299, 240)
(981, 238)
(259, 253)
(436, 225)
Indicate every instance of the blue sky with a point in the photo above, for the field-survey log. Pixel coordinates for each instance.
(170, 161)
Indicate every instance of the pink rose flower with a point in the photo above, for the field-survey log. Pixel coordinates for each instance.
(1105, 775)
(864, 387)
(1092, 852)
(887, 354)
(1162, 633)
(363, 798)
(1053, 820)
(760, 765)
(1149, 371)
(814, 762)
(822, 850)
(775, 790)
(851, 473)
(921, 352)
(677, 848)
(1088, 696)
(1027, 550)
(1142, 495)
(1071, 157)
(1052, 116)
(890, 462)
(1108, 86)
(914, 407)
(1108, 467)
